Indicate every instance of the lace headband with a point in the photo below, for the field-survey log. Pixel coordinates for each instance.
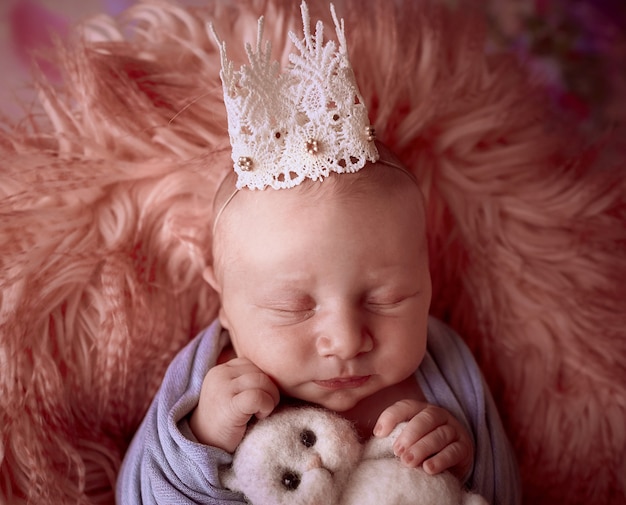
(302, 123)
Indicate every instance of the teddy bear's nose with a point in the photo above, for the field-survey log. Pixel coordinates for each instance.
(315, 461)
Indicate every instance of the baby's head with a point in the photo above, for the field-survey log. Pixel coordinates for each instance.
(323, 276)
(326, 286)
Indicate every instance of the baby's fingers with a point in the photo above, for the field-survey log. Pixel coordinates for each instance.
(393, 415)
(253, 402)
(414, 449)
(424, 423)
(450, 456)
(255, 394)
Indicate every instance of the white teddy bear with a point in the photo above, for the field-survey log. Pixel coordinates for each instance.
(311, 456)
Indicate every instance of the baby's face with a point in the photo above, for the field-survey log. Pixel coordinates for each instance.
(327, 292)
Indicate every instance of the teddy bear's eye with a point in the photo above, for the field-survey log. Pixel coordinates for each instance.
(290, 480)
(308, 438)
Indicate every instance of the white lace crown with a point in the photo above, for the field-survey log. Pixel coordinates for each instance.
(306, 122)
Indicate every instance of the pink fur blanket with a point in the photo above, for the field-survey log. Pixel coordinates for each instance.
(105, 198)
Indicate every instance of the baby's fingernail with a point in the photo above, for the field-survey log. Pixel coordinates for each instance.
(398, 450)
(378, 430)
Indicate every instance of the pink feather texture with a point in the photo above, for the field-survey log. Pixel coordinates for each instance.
(34, 28)
(106, 191)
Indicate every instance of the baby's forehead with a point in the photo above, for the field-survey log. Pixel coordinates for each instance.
(384, 198)
(247, 211)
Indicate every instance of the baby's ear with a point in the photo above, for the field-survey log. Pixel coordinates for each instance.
(209, 276)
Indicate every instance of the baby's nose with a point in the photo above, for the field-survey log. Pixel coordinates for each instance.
(345, 336)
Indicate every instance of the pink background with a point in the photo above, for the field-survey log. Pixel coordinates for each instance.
(577, 48)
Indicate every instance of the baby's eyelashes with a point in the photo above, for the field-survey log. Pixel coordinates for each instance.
(291, 309)
(289, 314)
(383, 305)
(390, 302)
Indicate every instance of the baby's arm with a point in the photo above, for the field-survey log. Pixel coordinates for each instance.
(231, 394)
(433, 437)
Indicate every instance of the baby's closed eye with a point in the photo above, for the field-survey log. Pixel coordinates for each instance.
(289, 314)
(389, 301)
(290, 309)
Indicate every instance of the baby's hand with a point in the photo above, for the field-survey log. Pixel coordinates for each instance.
(433, 437)
(231, 394)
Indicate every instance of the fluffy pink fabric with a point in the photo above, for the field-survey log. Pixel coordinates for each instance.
(105, 208)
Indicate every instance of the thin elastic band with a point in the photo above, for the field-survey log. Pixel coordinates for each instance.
(219, 212)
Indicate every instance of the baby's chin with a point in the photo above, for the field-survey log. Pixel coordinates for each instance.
(337, 402)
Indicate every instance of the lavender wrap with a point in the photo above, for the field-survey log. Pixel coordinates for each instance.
(166, 465)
